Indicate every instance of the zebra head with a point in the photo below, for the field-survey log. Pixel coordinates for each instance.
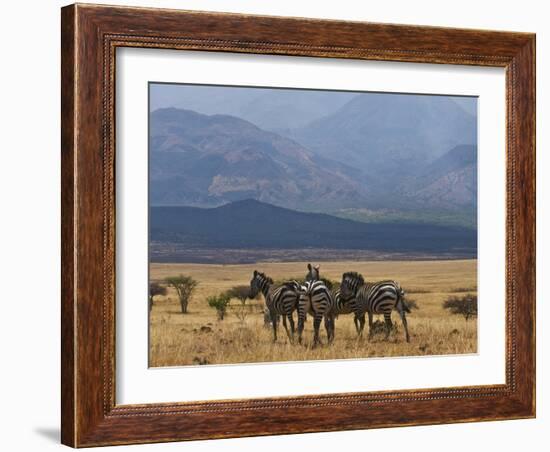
(351, 282)
(259, 283)
(313, 273)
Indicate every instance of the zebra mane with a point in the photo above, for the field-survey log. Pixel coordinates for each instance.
(264, 277)
(354, 275)
(291, 284)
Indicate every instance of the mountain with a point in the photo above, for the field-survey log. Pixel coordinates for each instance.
(448, 182)
(271, 109)
(390, 136)
(380, 157)
(202, 160)
(252, 224)
(280, 110)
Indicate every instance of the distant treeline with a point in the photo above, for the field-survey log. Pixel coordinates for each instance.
(255, 225)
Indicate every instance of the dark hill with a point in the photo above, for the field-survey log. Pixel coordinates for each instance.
(253, 224)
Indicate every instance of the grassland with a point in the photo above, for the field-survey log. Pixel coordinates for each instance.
(198, 338)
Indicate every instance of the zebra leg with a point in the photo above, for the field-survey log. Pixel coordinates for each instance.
(303, 307)
(370, 325)
(301, 320)
(286, 328)
(329, 327)
(404, 320)
(291, 322)
(316, 324)
(361, 325)
(274, 321)
(356, 322)
(387, 320)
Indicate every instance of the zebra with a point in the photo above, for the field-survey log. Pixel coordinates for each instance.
(313, 273)
(374, 298)
(315, 299)
(280, 300)
(341, 305)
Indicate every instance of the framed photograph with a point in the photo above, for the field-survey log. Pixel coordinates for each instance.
(281, 225)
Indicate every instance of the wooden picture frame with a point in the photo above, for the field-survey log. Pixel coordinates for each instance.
(90, 36)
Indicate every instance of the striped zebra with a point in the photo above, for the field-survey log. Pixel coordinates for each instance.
(280, 300)
(341, 305)
(315, 299)
(374, 298)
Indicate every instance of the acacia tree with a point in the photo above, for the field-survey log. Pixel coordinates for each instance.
(184, 287)
(466, 305)
(241, 293)
(154, 290)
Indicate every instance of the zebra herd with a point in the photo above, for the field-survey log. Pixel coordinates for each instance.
(354, 295)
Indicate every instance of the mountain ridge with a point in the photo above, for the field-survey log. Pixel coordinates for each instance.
(394, 133)
(449, 181)
(272, 109)
(214, 159)
(210, 160)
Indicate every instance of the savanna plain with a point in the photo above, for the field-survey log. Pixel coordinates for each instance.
(199, 337)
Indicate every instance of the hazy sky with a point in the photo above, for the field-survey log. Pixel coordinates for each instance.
(205, 98)
(271, 108)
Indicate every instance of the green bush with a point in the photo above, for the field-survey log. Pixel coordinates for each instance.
(219, 303)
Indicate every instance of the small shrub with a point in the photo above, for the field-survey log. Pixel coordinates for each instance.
(219, 303)
(465, 305)
(379, 326)
(241, 293)
(200, 360)
(411, 303)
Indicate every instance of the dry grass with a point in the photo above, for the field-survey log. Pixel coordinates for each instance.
(198, 338)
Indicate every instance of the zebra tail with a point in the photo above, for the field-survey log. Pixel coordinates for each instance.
(401, 301)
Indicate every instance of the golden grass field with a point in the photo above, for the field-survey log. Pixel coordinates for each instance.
(199, 338)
